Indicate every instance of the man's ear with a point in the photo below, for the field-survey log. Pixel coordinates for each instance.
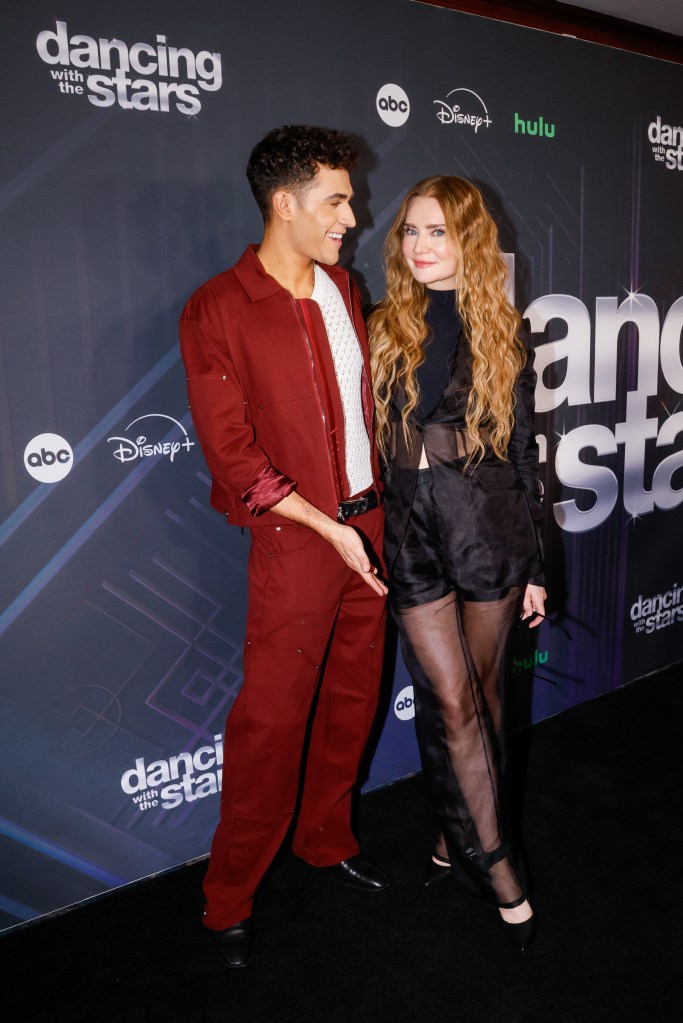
(284, 204)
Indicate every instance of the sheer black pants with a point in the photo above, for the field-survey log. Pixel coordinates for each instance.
(456, 647)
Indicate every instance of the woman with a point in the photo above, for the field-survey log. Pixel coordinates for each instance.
(454, 387)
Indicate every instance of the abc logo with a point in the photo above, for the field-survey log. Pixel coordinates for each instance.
(48, 458)
(404, 704)
(393, 105)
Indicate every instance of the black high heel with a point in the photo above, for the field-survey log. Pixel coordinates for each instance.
(521, 935)
(438, 869)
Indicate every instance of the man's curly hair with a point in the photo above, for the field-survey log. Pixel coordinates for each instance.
(289, 157)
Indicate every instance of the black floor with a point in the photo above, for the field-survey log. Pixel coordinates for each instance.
(603, 830)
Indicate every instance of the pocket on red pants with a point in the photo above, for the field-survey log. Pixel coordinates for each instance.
(283, 539)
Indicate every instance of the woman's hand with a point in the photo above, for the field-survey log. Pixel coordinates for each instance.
(533, 603)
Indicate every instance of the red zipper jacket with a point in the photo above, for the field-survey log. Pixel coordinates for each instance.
(263, 392)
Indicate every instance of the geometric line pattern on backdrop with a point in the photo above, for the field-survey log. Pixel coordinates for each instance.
(197, 667)
(92, 715)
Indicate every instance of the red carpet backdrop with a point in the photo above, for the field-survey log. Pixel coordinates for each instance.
(127, 128)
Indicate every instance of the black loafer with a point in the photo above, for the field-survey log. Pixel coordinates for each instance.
(360, 873)
(235, 944)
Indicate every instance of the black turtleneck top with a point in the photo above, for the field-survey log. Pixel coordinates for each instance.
(444, 324)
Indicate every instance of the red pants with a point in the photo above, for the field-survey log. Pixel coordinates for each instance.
(305, 607)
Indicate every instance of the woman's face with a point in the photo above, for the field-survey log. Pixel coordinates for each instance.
(426, 249)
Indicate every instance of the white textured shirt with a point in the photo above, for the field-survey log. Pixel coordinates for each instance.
(348, 367)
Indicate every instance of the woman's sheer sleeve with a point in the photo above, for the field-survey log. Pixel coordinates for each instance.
(522, 448)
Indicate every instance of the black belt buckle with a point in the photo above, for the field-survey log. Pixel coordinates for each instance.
(348, 509)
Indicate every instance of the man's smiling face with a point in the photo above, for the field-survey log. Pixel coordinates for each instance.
(321, 216)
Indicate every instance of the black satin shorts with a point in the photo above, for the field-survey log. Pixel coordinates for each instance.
(420, 572)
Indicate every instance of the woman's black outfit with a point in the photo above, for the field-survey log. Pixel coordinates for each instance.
(461, 543)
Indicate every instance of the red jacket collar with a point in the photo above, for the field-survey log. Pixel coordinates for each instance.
(258, 284)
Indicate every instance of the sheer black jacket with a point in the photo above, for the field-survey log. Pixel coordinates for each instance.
(491, 509)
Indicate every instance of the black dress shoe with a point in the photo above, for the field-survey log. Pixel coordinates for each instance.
(360, 873)
(437, 871)
(235, 944)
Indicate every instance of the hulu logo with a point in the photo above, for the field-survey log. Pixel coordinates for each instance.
(529, 663)
(537, 127)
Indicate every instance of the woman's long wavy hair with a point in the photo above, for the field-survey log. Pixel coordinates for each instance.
(398, 331)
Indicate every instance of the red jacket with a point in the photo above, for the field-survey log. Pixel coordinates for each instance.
(263, 392)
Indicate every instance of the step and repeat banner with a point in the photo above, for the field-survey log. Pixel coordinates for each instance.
(127, 128)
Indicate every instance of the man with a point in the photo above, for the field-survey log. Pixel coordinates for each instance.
(277, 364)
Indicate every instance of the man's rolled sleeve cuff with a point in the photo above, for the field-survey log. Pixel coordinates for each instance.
(267, 490)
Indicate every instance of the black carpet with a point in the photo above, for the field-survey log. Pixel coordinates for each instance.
(603, 830)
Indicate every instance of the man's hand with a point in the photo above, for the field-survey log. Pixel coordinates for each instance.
(349, 545)
(534, 603)
(345, 540)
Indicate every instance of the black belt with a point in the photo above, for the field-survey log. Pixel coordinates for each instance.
(360, 505)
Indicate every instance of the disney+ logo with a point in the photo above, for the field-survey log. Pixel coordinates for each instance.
(463, 107)
(131, 449)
